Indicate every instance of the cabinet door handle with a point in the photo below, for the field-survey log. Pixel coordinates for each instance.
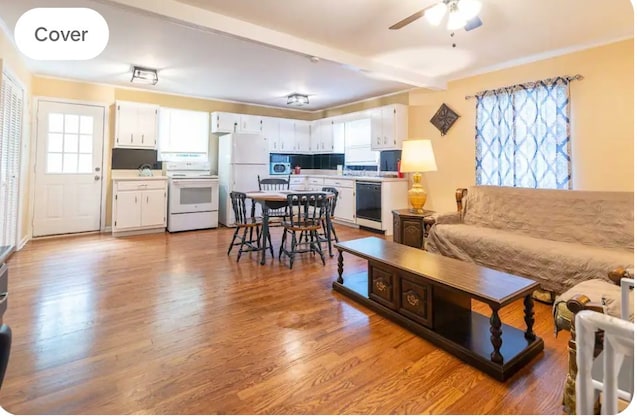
(132, 138)
(135, 199)
(142, 138)
(147, 200)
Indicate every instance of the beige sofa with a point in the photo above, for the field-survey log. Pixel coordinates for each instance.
(557, 237)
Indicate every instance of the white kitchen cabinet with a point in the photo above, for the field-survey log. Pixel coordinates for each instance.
(315, 183)
(136, 125)
(337, 128)
(250, 124)
(302, 136)
(389, 127)
(287, 135)
(224, 122)
(271, 132)
(139, 206)
(321, 136)
(345, 207)
(298, 183)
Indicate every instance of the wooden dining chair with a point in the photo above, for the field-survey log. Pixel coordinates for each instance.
(333, 202)
(248, 225)
(274, 184)
(304, 219)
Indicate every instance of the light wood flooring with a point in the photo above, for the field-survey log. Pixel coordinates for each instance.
(169, 324)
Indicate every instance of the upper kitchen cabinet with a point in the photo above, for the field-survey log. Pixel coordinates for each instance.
(389, 127)
(302, 136)
(224, 122)
(182, 132)
(271, 132)
(337, 128)
(321, 136)
(136, 125)
(250, 124)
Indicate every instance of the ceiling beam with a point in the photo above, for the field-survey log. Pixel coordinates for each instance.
(208, 20)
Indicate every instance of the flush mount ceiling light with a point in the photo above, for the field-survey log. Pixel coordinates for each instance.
(144, 75)
(297, 99)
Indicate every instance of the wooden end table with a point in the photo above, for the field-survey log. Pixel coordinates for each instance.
(409, 228)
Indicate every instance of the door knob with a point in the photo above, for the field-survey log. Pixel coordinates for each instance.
(97, 169)
(96, 177)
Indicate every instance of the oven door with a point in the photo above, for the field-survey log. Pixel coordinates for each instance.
(193, 195)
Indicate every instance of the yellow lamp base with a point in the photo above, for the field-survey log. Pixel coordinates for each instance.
(417, 195)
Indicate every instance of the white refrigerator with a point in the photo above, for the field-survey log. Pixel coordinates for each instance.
(241, 159)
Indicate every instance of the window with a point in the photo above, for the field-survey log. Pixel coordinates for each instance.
(69, 143)
(183, 135)
(11, 110)
(523, 135)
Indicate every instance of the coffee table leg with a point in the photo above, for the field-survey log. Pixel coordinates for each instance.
(340, 267)
(496, 333)
(528, 317)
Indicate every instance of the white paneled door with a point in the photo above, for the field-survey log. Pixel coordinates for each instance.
(68, 168)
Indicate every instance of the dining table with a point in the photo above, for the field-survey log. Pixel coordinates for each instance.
(277, 199)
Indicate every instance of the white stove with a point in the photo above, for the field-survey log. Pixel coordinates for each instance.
(193, 196)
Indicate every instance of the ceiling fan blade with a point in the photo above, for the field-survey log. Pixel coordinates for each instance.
(417, 15)
(473, 24)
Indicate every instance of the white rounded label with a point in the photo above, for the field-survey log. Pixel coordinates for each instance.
(61, 33)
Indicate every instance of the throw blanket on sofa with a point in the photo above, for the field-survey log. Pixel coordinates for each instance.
(557, 237)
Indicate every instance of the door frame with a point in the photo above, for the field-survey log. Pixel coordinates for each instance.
(105, 153)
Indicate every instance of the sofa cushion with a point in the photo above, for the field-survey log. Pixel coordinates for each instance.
(602, 219)
(556, 265)
(595, 290)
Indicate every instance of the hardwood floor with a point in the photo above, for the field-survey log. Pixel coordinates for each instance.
(168, 323)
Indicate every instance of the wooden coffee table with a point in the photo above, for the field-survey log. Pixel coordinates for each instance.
(431, 296)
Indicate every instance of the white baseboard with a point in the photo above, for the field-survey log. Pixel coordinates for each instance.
(23, 242)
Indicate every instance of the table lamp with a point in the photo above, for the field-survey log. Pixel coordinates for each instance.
(417, 157)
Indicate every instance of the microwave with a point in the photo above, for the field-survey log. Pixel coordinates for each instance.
(280, 168)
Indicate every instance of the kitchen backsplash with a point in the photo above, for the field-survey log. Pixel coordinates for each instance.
(389, 160)
(131, 158)
(306, 161)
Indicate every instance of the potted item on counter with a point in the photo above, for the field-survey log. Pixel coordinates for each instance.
(296, 170)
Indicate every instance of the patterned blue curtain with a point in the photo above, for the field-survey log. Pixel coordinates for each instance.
(523, 135)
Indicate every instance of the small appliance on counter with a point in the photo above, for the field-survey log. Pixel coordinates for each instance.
(145, 170)
(296, 170)
(279, 168)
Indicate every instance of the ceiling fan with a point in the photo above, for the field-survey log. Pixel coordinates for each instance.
(462, 14)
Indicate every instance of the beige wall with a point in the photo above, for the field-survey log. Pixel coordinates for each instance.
(601, 120)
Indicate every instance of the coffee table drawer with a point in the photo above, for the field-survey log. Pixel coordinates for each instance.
(383, 286)
(415, 301)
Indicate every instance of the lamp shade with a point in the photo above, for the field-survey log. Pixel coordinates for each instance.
(417, 156)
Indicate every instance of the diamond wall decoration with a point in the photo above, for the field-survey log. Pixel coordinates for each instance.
(444, 119)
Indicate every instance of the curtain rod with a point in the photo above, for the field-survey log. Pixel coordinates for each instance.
(568, 78)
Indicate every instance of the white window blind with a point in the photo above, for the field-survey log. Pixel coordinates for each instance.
(183, 134)
(11, 114)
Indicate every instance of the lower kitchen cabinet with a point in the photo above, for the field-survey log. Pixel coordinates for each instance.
(139, 206)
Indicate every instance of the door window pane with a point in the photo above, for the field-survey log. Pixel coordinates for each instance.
(55, 143)
(70, 143)
(71, 123)
(70, 164)
(86, 143)
(55, 122)
(54, 163)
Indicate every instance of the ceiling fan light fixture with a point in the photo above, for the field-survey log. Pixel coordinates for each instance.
(297, 99)
(435, 14)
(469, 8)
(456, 20)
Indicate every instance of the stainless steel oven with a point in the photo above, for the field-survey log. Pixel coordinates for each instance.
(369, 204)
